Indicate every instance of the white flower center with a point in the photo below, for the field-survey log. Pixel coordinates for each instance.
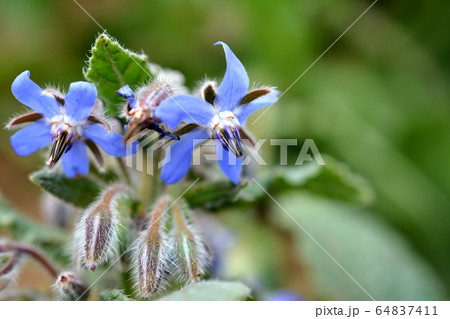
(225, 127)
(61, 123)
(223, 119)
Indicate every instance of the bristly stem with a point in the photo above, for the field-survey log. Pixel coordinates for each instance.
(32, 252)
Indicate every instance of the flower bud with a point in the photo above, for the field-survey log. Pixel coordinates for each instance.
(96, 234)
(139, 110)
(151, 253)
(69, 287)
(189, 251)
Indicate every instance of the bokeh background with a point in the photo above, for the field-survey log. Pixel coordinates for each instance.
(377, 102)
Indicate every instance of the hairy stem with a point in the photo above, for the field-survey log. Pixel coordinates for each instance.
(32, 252)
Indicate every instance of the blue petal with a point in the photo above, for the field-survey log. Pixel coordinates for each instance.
(230, 164)
(244, 111)
(234, 84)
(29, 93)
(184, 108)
(80, 99)
(109, 141)
(76, 162)
(177, 165)
(31, 138)
(127, 93)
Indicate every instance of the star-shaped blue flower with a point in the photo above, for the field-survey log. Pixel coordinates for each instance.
(219, 115)
(63, 121)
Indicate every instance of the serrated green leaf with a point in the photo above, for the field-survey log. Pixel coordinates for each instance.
(211, 290)
(110, 67)
(79, 191)
(372, 252)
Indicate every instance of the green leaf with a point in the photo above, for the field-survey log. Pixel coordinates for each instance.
(212, 195)
(114, 295)
(79, 191)
(378, 258)
(110, 67)
(333, 180)
(211, 290)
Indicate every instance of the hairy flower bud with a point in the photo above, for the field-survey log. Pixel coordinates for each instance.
(96, 234)
(69, 287)
(189, 252)
(151, 253)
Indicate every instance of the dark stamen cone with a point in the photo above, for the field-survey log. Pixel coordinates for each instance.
(151, 258)
(97, 231)
(190, 255)
(59, 146)
(69, 287)
(231, 141)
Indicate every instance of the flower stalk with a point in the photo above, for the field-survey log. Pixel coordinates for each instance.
(20, 249)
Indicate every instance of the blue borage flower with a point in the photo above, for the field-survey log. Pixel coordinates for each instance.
(65, 122)
(221, 115)
(140, 108)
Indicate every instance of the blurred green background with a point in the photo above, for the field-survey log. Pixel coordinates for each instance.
(378, 101)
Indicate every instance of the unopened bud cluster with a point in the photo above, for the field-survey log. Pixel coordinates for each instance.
(170, 248)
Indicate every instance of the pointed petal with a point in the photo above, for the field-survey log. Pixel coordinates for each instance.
(76, 162)
(230, 164)
(79, 100)
(127, 93)
(31, 138)
(29, 93)
(177, 165)
(244, 111)
(109, 141)
(184, 108)
(234, 84)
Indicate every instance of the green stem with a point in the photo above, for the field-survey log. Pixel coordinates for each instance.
(123, 170)
(145, 185)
